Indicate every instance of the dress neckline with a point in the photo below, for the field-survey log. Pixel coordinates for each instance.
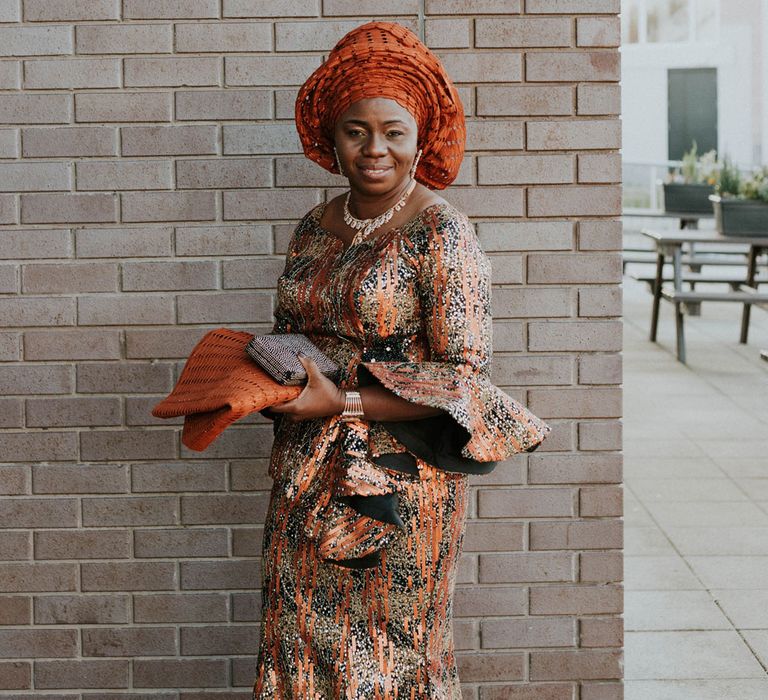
(318, 214)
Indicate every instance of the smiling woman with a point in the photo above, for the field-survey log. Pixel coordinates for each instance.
(376, 150)
(368, 508)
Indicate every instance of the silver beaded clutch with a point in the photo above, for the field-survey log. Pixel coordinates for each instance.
(277, 354)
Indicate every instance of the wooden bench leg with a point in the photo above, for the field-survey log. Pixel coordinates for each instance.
(657, 296)
(751, 270)
(680, 332)
(745, 323)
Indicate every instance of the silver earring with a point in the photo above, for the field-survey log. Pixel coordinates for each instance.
(415, 163)
(338, 162)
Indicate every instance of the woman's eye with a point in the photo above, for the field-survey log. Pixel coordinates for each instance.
(395, 133)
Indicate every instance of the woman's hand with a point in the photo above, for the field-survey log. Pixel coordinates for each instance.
(319, 398)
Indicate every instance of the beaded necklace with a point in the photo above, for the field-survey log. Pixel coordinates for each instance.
(365, 227)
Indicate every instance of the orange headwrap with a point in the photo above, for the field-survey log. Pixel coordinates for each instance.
(384, 59)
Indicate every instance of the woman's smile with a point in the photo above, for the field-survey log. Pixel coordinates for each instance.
(375, 172)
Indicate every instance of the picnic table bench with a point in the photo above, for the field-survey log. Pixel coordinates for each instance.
(733, 279)
(687, 219)
(691, 258)
(745, 292)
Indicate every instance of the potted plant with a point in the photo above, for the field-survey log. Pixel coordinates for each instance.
(741, 204)
(688, 188)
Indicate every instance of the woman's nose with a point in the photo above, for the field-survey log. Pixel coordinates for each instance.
(375, 145)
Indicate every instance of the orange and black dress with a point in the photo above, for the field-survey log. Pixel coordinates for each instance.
(366, 519)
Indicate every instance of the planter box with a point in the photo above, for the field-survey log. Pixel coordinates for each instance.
(687, 199)
(740, 217)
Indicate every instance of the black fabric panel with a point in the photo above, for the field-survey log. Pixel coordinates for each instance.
(437, 440)
(382, 508)
(399, 461)
(367, 562)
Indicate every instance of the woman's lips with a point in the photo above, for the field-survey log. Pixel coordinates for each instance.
(375, 173)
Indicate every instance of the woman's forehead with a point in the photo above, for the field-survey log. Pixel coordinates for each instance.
(377, 110)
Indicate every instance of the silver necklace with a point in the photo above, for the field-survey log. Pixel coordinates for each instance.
(365, 227)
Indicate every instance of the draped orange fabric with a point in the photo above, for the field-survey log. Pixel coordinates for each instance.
(385, 59)
(220, 384)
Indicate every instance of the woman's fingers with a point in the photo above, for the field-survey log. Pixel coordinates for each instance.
(310, 365)
(286, 409)
(305, 403)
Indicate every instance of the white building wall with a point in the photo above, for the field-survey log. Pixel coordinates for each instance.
(742, 121)
(763, 150)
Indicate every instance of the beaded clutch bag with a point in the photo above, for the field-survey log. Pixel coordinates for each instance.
(277, 354)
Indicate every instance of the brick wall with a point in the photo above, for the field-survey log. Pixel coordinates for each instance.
(150, 176)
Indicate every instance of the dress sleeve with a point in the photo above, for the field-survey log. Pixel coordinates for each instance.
(284, 322)
(482, 424)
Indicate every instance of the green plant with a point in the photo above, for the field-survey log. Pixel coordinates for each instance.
(708, 167)
(728, 182)
(690, 168)
(695, 168)
(756, 187)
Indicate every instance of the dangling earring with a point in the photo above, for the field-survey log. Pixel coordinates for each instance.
(338, 162)
(415, 163)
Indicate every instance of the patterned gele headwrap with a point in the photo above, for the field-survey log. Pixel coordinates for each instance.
(384, 59)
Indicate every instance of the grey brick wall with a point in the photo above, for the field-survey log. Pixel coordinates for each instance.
(150, 176)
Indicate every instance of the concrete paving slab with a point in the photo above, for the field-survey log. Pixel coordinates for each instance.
(641, 428)
(672, 610)
(664, 448)
(739, 428)
(758, 641)
(731, 572)
(742, 466)
(658, 574)
(637, 515)
(715, 514)
(730, 689)
(751, 405)
(694, 489)
(736, 448)
(757, 488)
(721, 541)
(679, 655)
(646, 541)
(745, 609)
(636, 467)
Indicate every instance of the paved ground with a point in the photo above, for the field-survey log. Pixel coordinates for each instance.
(696, 506)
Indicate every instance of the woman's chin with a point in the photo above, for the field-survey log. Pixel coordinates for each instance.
(384, 180)
(378, 184)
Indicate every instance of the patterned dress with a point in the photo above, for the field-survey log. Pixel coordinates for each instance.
(360, 551)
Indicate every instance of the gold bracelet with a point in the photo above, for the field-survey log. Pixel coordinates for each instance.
(353, 406)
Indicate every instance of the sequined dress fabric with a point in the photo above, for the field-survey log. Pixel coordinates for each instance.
(411, 305)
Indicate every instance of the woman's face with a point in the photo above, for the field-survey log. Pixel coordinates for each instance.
(376, 139)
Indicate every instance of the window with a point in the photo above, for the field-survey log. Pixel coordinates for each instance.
(669, 21)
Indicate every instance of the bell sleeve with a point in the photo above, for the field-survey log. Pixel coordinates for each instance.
(480, 424)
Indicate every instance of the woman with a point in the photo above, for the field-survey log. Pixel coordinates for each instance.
(368, 507)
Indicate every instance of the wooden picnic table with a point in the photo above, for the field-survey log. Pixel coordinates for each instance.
(687, 219)
(670, 244)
